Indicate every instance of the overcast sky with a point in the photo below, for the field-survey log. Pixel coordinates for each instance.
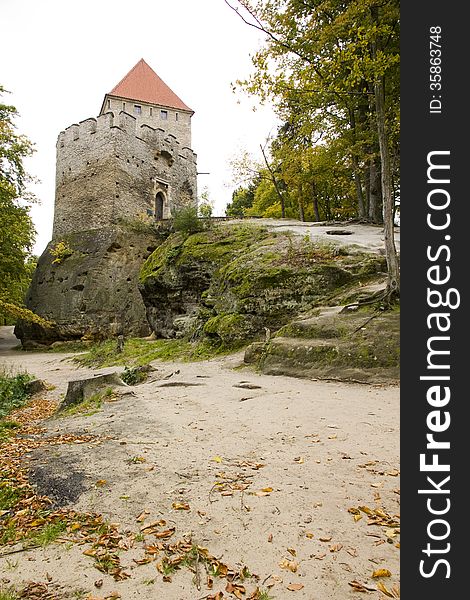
(60, 57)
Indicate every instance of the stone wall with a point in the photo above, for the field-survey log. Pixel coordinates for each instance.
(111, 168)
(178, 122)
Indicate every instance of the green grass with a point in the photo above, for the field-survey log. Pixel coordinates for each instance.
(7, 428)
(138, 352)
(8, 594)
(89, 406)
(9, 496)
(48, 534)
(13, 391)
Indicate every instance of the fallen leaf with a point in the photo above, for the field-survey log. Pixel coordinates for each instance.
(98, 583)
(165, 534)
(289, 565)
(295, 587)
(393, 473)
(270, 537)
(332, 437)
(217, 459)
(140, 518)
(292, 551)
(325, 539)
(318, 556)
(360, 587)
(381, 573)
(180, 506)
(100, 482)
(299, 460)
(235, 589)
(336, 547)
(351, 551)
(391, 594)
(309, 535)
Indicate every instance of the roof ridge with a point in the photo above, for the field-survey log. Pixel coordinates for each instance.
(143, 84)
(127, 74)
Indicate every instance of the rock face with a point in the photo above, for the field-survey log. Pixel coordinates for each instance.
(333, 344)
(90, 291)
(231, 283)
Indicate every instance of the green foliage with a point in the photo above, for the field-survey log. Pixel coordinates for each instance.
(242, 199)
(321, 65)
(133, 375)
(15, 312)
(16, 231)
(8, 594)
(60, 252)
(13, 391)
(185, 220)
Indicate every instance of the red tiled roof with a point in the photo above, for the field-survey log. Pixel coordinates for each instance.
(144, 85)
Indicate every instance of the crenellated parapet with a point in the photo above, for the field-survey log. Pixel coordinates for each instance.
(107, 168)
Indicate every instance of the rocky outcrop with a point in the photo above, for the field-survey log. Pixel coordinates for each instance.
(88, 287)
(232, 283)
(334, 344)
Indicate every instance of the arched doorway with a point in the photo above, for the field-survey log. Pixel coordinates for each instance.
(159, 203)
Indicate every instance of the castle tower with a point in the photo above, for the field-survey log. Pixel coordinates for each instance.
(144, 95)
(132, 162)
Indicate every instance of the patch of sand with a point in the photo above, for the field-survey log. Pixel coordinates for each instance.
(326, 447)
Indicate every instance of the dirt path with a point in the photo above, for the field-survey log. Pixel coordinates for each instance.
(325, 447)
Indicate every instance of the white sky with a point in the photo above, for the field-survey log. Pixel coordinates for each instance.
(60, 57)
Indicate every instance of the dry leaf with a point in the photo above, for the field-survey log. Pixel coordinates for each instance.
(360, 587)
(142, 516)
(292, 551)
(98, 583)
(217, 459)
(384, 590)
(299, 460)
(381, 573)
(235, 589)
(393, 473)
(325, 539)
(309, 535)
(352, 551)
(180, 506)
(270, 537)
(100, 482)
(295, 587)
(318, 556)
(289, 565)
(336, 547)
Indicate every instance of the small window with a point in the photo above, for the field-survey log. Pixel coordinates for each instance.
(123, 106)
(137, 109)
(164, 115)
(109, 103)
(176, 116)
(151, 111)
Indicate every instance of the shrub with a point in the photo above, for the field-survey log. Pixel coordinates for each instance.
(60, 251)
(13, 391)
(186, 220)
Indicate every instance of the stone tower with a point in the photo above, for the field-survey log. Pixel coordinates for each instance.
(133, 161)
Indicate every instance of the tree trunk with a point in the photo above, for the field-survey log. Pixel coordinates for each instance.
(393, 286)
(315, 202)
(275, 183)
(375, 192)
(361, 209)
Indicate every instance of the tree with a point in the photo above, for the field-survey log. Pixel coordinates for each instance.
(16, 227)
(331, 69)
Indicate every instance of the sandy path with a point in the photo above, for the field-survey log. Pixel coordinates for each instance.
(334, 430)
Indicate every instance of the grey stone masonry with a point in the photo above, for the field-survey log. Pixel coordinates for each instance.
(117, 167)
